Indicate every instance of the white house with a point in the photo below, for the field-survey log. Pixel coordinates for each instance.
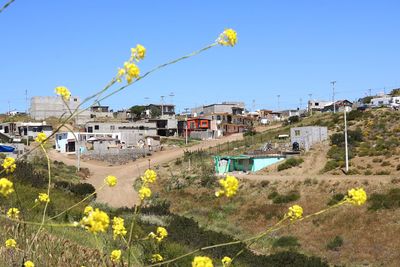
(67, 142)
(381, 101)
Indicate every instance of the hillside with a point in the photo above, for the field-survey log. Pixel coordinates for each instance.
(350, 236)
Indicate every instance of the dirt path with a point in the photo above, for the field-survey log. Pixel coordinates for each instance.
(123, 193)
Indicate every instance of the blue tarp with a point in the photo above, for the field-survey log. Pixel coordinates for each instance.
(4, 148)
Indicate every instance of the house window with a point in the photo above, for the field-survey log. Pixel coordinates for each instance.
(219, 117)
(297, 132)
(96, 127)
(75, 99)
(204, 124)
(112, 127)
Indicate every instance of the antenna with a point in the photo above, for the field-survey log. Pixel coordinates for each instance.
(26, 101)
(333, 96)
(278, 101)
(254, 105)
(162, 105)
(172, 97)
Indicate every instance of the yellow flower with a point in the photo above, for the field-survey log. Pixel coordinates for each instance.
(11, 243)
(29, 264)
(144, 192)
(118, 227)
(138, 52)
(121, 73)
(115, 255)
(87, 210)
(9, 164)
(41, 137)
(43, 197)
(13, 213)
(228, 38)
(202, 261)
(64, 92)
(149, 176)
(132, 71)
(156, 258)
(295, 212)
(226, 261)
(230, 186)
(111, 180)
(356, 196)
(96, 221)
(6, 187)
(160, 234)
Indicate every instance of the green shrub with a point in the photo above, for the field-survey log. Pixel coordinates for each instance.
(286, 241)
(336, 199)
(368, 172)
(273, 195)
(335, 243)
(384, 172)
(83, 189)
(385, 163)
(331, 165)
(289, 163)
(389, 200)
(398, 167)
(290, 197)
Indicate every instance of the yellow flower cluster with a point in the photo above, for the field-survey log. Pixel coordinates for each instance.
(11, 243)
(87, 210)
(295, 212)
(6, 187)
(115, 255)
(160, 234)
(131, 71)
(9, 164)
(43, 198)
(95, 221)
(118, 227)
(356, 196)
(111, 180)
(202, 261)
(156, 258)
(13, 213)
(229, 185)
(29, 264)
(226, 261)
(228, 38)
(41, 138)
(63, 92)
(144, 192)
(149, 176)
(138, 53)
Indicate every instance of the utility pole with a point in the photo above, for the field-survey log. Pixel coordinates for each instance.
(345, 140)
(369, 90)
(333, 96)
(162, 105)
(253, 105)
(172, 97)
(278, 101)
(26, 101)
(301, 103)
(186, 125)
(9, 109)
(309, 103)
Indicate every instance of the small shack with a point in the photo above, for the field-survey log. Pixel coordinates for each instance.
(244, 163)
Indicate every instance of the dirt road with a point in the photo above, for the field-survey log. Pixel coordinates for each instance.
(123, 193)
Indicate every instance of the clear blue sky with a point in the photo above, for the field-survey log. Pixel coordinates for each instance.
(291, 48)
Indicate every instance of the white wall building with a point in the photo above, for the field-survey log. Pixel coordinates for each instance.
(308, 136)
(68, 142)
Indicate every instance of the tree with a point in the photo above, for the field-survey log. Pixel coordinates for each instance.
(155, 112)
(137, 111)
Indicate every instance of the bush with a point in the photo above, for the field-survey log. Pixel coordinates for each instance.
(279, 199)
(82, 190)
(335, 243)
(353, 138)
(286, 241)
(331, 165)
(385, 201)
(336, 199)
(289, 163)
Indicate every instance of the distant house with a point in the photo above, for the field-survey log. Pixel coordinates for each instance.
(24, 130)
(68, 142)
(196, 128)
(318, 105)
(100, 112)
(381, 101)
(165, 109)
(340, 105)
(306, 137)
(243, 163)
(236, 108)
